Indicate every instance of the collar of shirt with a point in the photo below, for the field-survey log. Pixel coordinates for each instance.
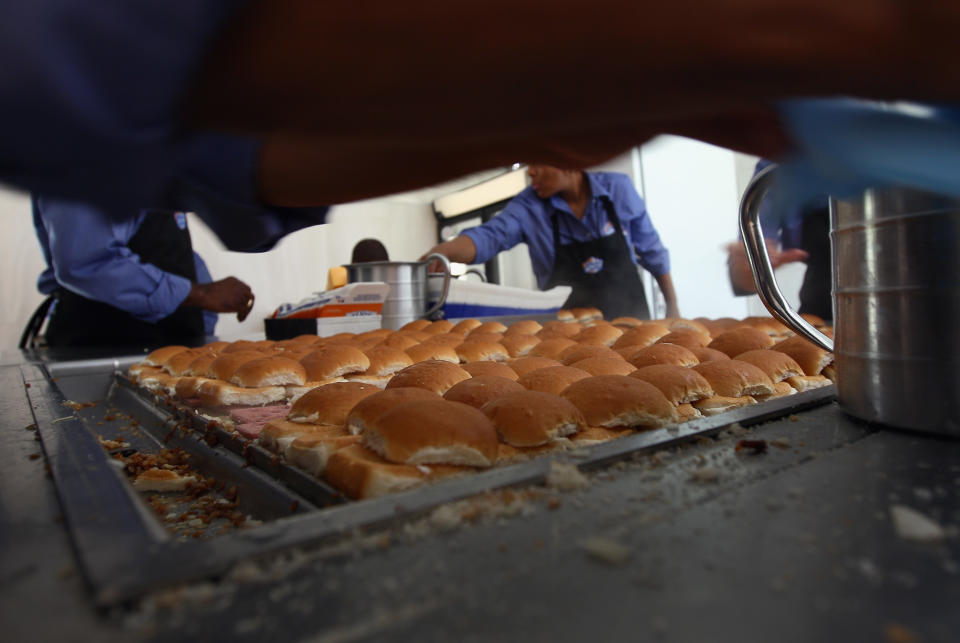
(594, 222)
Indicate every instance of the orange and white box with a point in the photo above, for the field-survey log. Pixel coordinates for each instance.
(359, 299)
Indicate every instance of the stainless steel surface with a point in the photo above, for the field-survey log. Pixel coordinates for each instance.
(759, 260)
(407, 300)
(896, 290)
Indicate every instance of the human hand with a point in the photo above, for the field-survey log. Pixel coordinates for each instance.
(741, 276)
(228, 295)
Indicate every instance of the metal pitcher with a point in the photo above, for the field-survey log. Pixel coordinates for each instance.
(407, 300)
(896, 293)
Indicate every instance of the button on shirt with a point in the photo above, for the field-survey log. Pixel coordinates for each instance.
(527, 219)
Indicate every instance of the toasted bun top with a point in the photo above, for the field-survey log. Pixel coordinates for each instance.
(400, 340)
(215, 347)
(553, 379)
(329, 404)
(565, 315)
(740, 340)
(663, 354)
(307, 339)
(551, 347)
(178, 364)
(439, 327)
(708, 354)
(189, 387)
(245, 345)
(680, 385)
(498, 369)
(586, 313)
(559, 329)
(523, 327)
(778, 366)
(334, 360)
(524, 365)
(602, 334)
(732, 378)
(373, 406)
(480, 389)
(519, 345)
(814, 320)
(416, 324)
(161, 355)
(641, 336)
(464, 326)
(226, 364)
(484, 337)
(476, 350)
(627, 322)
(433, 432)
(533, 418)
(811, 358)
(436, 351)
(434, 375)
(386, 360)
(688, 324)
(445, 339)
(583, 351)
(717, 326)
(686, 337)
(619, 400)
(270, 371)
(605, 365)
(769, 325)
(489, 327)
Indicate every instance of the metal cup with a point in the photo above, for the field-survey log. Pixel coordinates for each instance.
(407, 300)
(896, 290)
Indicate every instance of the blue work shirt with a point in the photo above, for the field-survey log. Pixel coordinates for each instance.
(786, 224)
(527, 219)
(86, 252)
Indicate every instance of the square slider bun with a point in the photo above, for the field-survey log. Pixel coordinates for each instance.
(160, 356)
(312, 451)
(778, 366)
(709, 354)
(480, 389)
(224, 366)
(477, 350)
(497, 369)
(552, 347)
(220, 393)
(435, 376)
(524, 365)
(686, 337)
(360, 473)
(596, 435)
(678, 384)
(178, 364)
(583, 351)
(330, 404)
(720, 404)
(810, 357)
(269, 371)
(740, 340)
(559, 328)
(620, 401)
(663, 354)
(334, 360)
(278, 434)
(372, 407)
(433, 432)
(464, 326)
(641, 336)
(431, 350)
(602, 334)
(615, 365)
(523, 327)
(808, 382)
(532, 418)
(518, 345)
(733, 378)
(385, 361)
(553, 379)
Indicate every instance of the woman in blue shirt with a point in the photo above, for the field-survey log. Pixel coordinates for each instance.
(586, 230)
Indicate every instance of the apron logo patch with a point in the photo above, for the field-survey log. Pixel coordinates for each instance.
(608, 229)
(593, 265)
(181, 218)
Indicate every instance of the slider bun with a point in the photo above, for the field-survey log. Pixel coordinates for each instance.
(687, 412)
(717, 326)
(334, 360)
(533, 418)
(780, 389)
(488, 327)
(553, 379)
(399, 340)
(445, 339)
(433, 432)
(605, 365)
(680, 385)
(160, 356)
(484, 337)
(524, 365)
(386, 360)
(686, 337)
(602, 334)
(329, 404)
(596, 435)
(433, 375)
(475, 350)
(565, 315)
(769, 325)
(733, 378)
(220, 393)
(278, 434)
(709, 354)
(312, 451)
(519, 345)
(435, 351)
(627, 322)
(740, 340)
(808, 382)
(188, 387)
(688, 324)
(200, 365)
(523, 327)
(371, 407)
(586, 313)
(641, 336)
(464, 326)
(360, 473)
(552, 347)
(241, 345)
(814, 320)
(620, 401)
(811, 358)
(583, 351)
(497, 369)
(226, 364)
(719, 404)
(778, 366)
(663, 354)
(178, 364)
(480, 389)
(215, 347)
(416, 324)
(439, 327)
(559, 329)
(269, 371)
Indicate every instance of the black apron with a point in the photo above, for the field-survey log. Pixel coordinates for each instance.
(78, 321)
(600, 271)
(815, 296)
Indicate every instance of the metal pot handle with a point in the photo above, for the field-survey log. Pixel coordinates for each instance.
(759, 260)
(446, 281)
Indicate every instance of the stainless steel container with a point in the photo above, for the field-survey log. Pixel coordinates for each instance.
(407, 300)
(896, 291)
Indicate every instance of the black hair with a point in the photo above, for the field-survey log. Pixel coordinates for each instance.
(369, 250)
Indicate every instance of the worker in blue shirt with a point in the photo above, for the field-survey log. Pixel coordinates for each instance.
(587, 230)
(792, 233)
(126, 282)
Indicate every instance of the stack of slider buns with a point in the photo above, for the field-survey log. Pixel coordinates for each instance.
(383, 411)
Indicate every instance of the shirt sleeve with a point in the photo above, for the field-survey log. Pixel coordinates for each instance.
(89, 256)
(650, 251)
(500, 233)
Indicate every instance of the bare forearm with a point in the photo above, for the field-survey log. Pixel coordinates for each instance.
(460, 249)
(665, 281)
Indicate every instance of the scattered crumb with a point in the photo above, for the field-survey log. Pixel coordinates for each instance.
(751, 446)
(896, 633)
(705, 474)
(565, 476)
(780, 443)
(794, 418)
(605, 550)
(910, 524)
